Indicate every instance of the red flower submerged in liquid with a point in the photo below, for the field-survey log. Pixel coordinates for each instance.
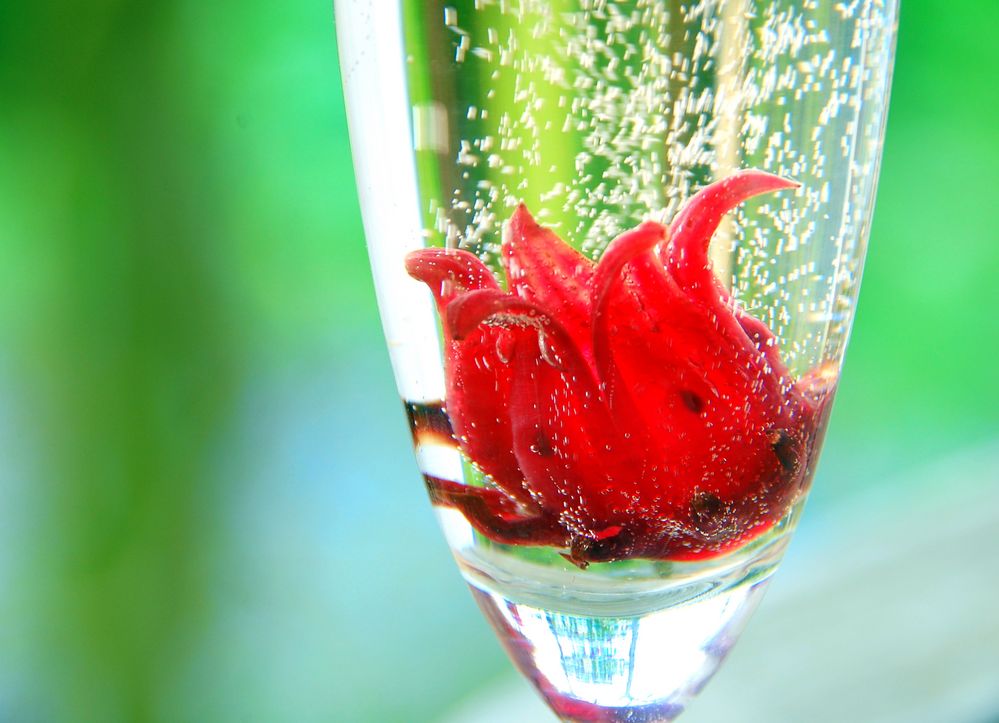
(621, 409)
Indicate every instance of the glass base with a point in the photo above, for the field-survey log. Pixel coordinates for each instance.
(610, 649)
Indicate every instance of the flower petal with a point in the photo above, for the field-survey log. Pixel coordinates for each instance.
(686, 260)
(686, 257)
(655, 349)
(477, 377)
(576, 461)
(494, 515)
(544, 269)
(478, 388)
(764, 340)
(621, 251)
(449, 272)
(699, 388)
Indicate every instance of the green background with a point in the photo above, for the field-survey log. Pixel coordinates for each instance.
(209, 511)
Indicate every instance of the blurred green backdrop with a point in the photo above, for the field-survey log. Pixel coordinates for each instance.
(209, 508)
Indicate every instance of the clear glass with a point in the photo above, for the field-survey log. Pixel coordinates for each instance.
(599, 116)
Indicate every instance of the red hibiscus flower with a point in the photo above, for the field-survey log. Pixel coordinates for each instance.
(621, 409)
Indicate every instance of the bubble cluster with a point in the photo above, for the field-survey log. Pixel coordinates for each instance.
(600, 114)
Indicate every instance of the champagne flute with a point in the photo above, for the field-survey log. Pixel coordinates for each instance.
(617, 248)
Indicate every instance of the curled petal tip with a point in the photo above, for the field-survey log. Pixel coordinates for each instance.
(760, 181)
(781, 183)
(433, 266)
(626, 247)
(654, 228)
(521, 223)
(414, 264)
(521, 215)
(433, 263)
(697, 221)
